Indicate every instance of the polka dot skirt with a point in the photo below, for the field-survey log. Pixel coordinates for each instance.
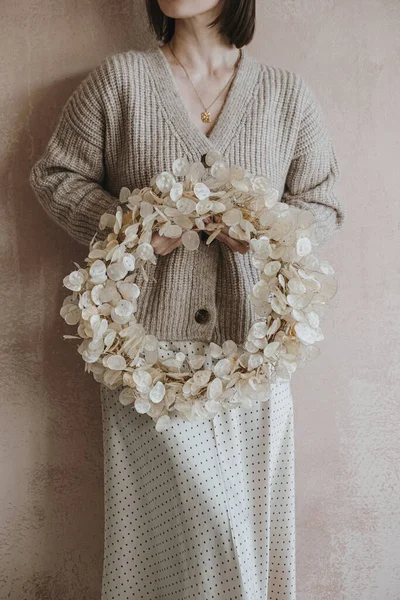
(203, 510)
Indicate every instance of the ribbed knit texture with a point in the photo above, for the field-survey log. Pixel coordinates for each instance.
(127, 121)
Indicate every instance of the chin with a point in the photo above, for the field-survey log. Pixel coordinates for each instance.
(184, 9)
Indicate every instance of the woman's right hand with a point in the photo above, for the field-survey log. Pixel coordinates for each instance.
(223, 236)
(164, 245)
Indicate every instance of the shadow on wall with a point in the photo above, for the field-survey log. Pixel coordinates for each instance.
(64, 487)
(52, 533)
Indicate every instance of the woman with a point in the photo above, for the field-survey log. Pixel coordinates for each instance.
(205, 509)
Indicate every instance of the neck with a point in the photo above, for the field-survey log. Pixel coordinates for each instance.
(201, 49)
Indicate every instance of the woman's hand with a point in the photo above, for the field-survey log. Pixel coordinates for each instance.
(223, 236)
(164, 245)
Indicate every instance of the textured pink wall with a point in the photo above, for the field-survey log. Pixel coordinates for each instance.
(347, 446)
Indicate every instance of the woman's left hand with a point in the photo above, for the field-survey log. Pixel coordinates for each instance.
(223, 236)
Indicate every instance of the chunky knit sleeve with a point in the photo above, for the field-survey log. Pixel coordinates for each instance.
(314, 172)
(67, 179)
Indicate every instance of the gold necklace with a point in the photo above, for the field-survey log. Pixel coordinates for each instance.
(205, 115)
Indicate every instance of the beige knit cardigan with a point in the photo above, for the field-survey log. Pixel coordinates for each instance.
(127, 121)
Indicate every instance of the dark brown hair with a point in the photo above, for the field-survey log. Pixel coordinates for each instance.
(236, 21)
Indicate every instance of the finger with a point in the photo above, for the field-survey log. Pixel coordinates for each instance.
(234, 241)
(162, 243)
(236, 245)
(167, 249)
(169, 242)
(225, 229)
(226, 239)
(243, 246)
(175, 243)
(170, 249)
(157, 242)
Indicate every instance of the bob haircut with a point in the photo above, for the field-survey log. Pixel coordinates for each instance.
(236, 21)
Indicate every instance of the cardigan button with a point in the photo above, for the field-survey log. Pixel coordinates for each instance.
(202, 315)
(203, 160)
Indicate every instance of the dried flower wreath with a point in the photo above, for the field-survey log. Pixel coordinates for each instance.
(289, 298)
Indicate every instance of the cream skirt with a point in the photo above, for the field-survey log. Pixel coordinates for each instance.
(203, 510)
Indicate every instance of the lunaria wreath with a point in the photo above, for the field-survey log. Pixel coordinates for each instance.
(289, 298)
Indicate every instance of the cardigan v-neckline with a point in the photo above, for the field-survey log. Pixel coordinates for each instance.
(231, 116)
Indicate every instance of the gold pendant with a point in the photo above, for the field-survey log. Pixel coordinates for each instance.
(206, 117)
